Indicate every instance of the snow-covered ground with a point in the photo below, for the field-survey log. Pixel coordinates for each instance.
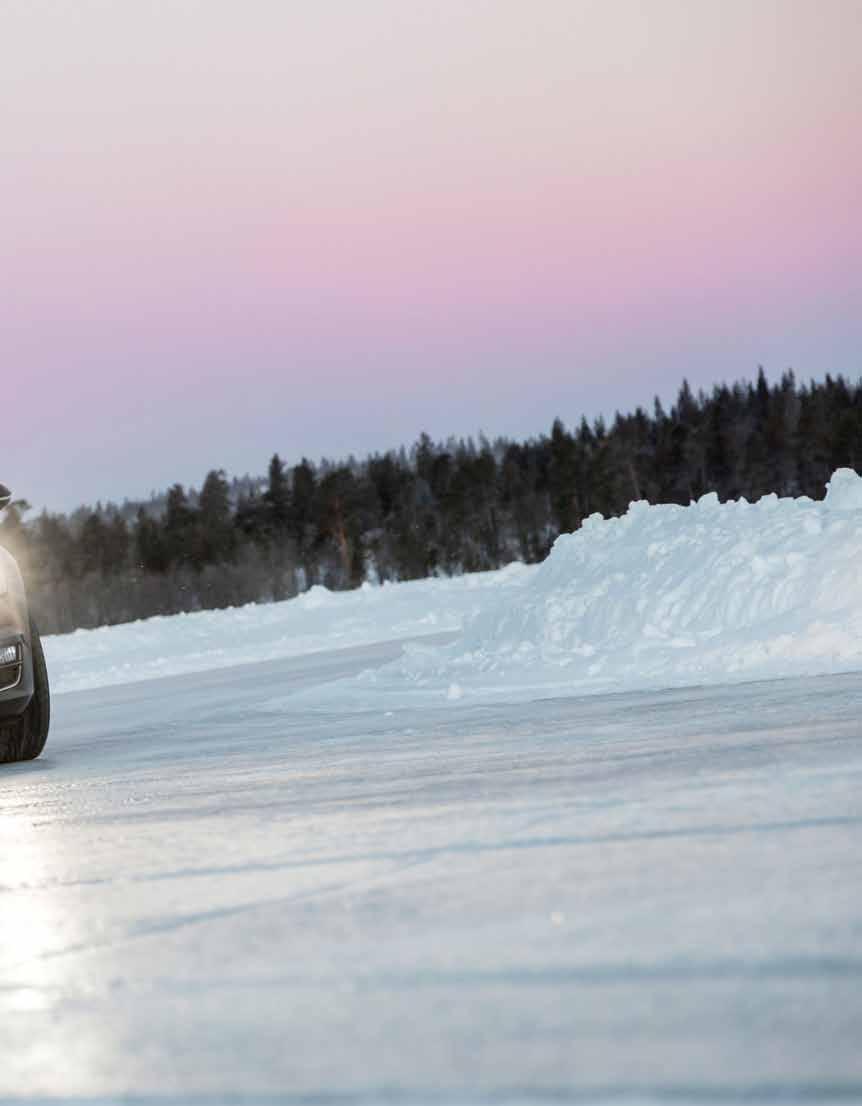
(662, 597)
(316, 621)
(379, 847)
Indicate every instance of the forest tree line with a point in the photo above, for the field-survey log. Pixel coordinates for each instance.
(450, 507)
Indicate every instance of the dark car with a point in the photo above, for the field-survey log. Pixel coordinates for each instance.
(25, 701)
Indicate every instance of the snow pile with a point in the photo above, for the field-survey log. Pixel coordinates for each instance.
(665, 596)
(315, 622)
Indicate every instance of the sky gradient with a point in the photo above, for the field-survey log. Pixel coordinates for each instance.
(322, 227)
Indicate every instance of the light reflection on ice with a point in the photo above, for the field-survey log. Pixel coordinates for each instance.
(40, 930)
(28, 923)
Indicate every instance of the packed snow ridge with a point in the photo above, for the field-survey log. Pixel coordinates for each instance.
(663, 596)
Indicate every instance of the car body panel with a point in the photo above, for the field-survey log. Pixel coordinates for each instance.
(15, 630)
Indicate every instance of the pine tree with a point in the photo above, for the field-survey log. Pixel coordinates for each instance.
(215, 537)
(277, 497)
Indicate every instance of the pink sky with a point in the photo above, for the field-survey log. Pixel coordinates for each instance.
(233, 228)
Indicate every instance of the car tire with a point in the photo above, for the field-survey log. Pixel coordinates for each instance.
(24, 739)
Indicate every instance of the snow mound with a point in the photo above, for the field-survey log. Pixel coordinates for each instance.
(666, 596)
(844, 491)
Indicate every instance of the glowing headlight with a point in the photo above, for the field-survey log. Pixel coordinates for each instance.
(9, 655)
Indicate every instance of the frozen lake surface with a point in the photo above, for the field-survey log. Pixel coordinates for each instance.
(209, 896)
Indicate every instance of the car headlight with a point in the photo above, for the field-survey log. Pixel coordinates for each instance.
(9, 654)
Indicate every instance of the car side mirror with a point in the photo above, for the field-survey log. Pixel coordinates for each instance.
(5, 496)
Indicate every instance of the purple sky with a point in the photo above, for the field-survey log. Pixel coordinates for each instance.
(234, 228)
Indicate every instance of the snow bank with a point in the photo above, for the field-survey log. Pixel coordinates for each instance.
(317, 621)
(664, 596)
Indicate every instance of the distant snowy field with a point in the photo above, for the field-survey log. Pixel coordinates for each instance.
(317, 621)
(662, 597)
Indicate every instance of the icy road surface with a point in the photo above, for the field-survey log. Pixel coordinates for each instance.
(649, 897)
